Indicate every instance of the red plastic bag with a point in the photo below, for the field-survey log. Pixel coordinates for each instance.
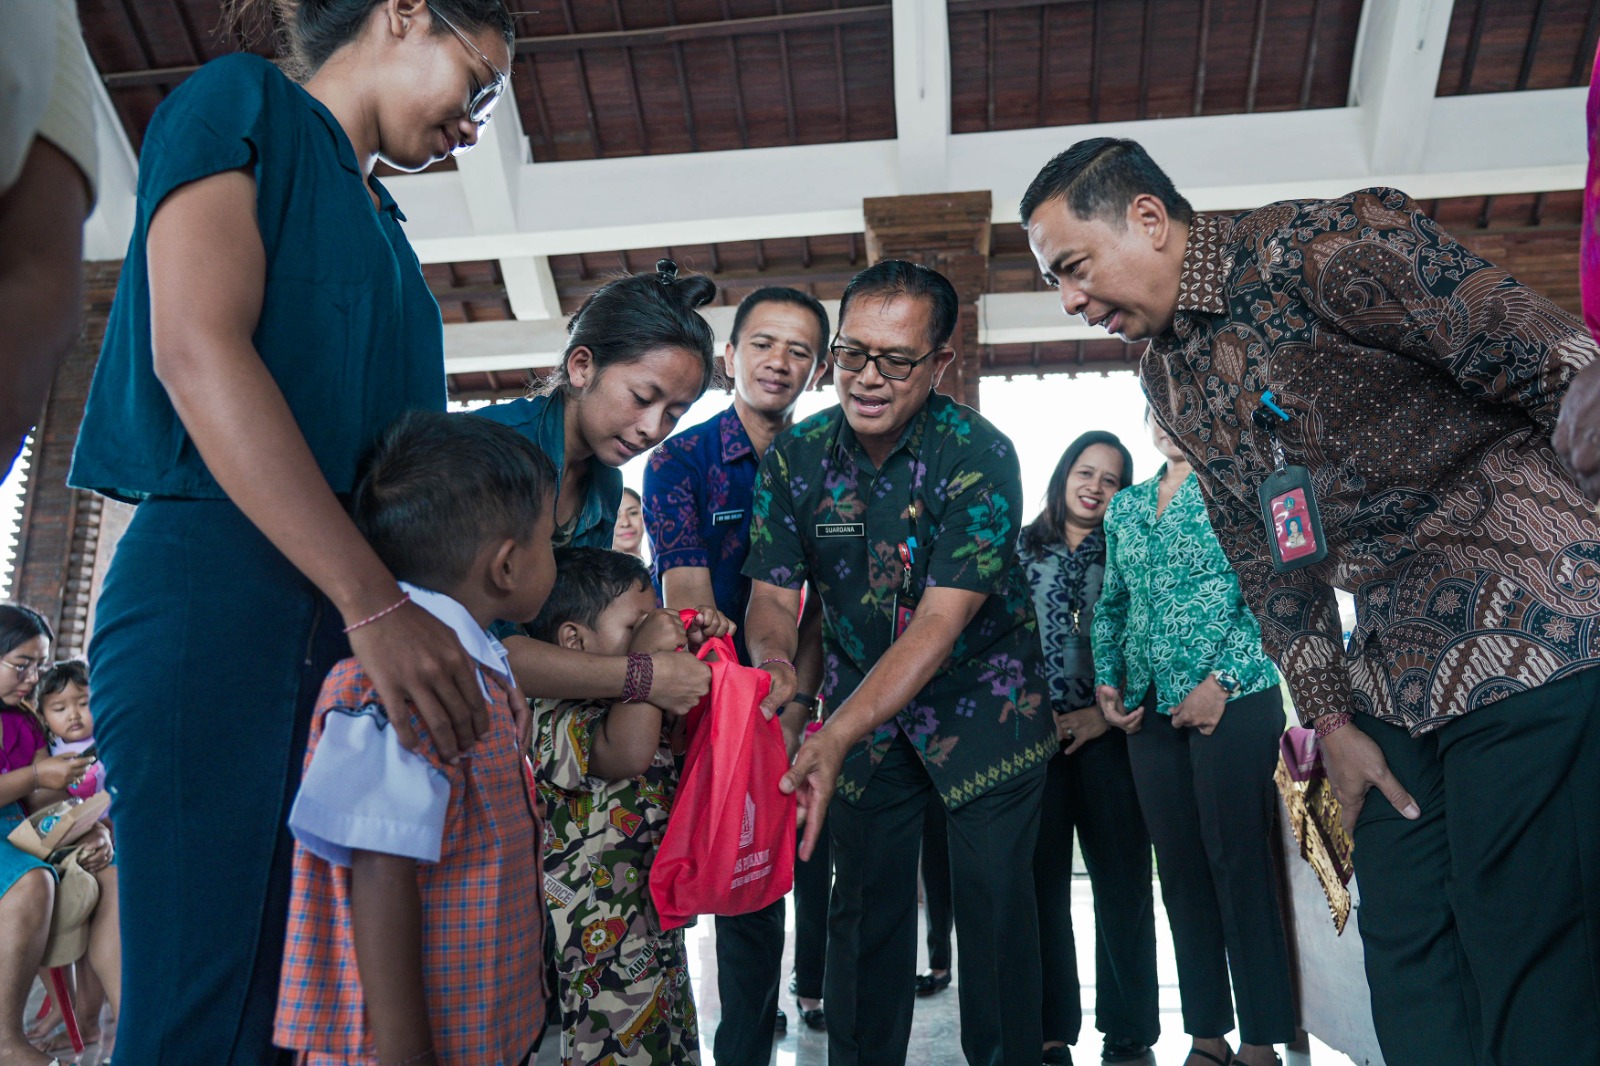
(729, 844)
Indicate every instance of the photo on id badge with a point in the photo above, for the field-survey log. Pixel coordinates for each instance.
(1292, 526)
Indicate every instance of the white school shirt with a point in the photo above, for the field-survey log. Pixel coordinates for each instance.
(363, 791)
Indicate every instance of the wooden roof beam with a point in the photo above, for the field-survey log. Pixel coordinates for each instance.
(577, 42)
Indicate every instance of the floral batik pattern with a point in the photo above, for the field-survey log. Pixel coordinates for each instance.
(1423, 383)
(1170, 611)
(697, 496)
(823, 513)
(1066, 586)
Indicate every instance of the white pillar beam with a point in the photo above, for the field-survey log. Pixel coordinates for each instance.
(1482, 144)
(1006, 318)
(110, 225)
(1397, 59)
(922, 94)
(491, 181)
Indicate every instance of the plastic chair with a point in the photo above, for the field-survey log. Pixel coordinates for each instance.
(61, 992)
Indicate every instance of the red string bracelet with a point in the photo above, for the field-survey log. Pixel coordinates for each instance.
(405, 598)
(641, 675)
(1334, 720)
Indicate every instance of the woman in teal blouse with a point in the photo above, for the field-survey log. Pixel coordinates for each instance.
(1179, 667)
(270, 321)
(638, 354)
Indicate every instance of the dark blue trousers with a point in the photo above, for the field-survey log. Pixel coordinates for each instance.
(209, 649)
(1481, 919)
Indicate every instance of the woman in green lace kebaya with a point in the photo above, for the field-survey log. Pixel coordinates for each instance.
(1179, 668)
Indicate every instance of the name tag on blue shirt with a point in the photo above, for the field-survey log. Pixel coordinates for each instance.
(722, 518)
(841, 529)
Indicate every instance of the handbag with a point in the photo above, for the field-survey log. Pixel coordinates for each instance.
(730, 838)
(51, 835)
(1302, 758)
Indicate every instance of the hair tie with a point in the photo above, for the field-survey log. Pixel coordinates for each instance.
(666, 271)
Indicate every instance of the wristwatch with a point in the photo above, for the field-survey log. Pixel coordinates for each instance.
(812, 705)
(1227, 682)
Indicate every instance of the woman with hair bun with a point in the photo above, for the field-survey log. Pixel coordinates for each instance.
(271, 320)
(638, 355)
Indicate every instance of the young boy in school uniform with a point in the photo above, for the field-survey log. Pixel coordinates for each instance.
(415, 927)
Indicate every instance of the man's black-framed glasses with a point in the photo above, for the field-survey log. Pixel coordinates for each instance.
(481, 107)
(894, 367)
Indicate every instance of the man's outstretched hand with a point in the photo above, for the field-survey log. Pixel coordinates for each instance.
(812, 779)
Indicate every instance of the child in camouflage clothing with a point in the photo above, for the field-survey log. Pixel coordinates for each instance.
(606, 772)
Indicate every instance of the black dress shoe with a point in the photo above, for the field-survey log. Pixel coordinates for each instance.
(1119, 1050)
(813, 1018)
(1058, 1056)
(780, 1024)
(929, 983)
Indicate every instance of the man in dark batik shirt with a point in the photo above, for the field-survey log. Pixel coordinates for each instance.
(902, 508)
(1419, 384)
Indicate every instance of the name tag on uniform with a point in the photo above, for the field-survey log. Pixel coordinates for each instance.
(841, 529)
(722, 518)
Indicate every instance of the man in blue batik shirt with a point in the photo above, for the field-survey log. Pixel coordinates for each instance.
(697, 496)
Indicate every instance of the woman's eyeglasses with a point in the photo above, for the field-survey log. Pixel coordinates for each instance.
(482, 103)
(24, 670)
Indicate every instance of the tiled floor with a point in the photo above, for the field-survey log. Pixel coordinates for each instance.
(936, 1031)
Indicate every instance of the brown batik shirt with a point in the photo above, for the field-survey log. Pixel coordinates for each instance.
(1423, 383)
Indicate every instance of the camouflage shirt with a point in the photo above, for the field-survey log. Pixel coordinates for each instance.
(600, 837)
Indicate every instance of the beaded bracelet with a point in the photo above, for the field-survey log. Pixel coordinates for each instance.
(405, 598)
(1331, 722)
(786, 662)
(641, 673)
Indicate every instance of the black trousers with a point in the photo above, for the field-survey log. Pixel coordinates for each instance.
(1210, 805)
(872, 929)
(1092, 792)
(936, 883)
(1481, 919)
(813, 883)
(749, 967)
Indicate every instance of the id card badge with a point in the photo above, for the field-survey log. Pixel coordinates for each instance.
(904, 606)
(903, 610)
(1294, 528)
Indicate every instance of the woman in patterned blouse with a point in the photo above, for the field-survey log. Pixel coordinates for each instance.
(1088, 784)
(1175, 645)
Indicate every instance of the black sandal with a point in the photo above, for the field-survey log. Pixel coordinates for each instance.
(1209, 1057)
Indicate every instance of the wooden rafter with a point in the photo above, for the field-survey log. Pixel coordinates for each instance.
(1145, 37)
(1255, 57)
(1532, 47)
(788, 81)
(1202, 42)
(633, 82)
(578, 42)
(1310, 62)
(1469, 62)
(683, 81)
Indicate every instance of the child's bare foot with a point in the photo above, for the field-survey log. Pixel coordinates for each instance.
(43, 1027)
